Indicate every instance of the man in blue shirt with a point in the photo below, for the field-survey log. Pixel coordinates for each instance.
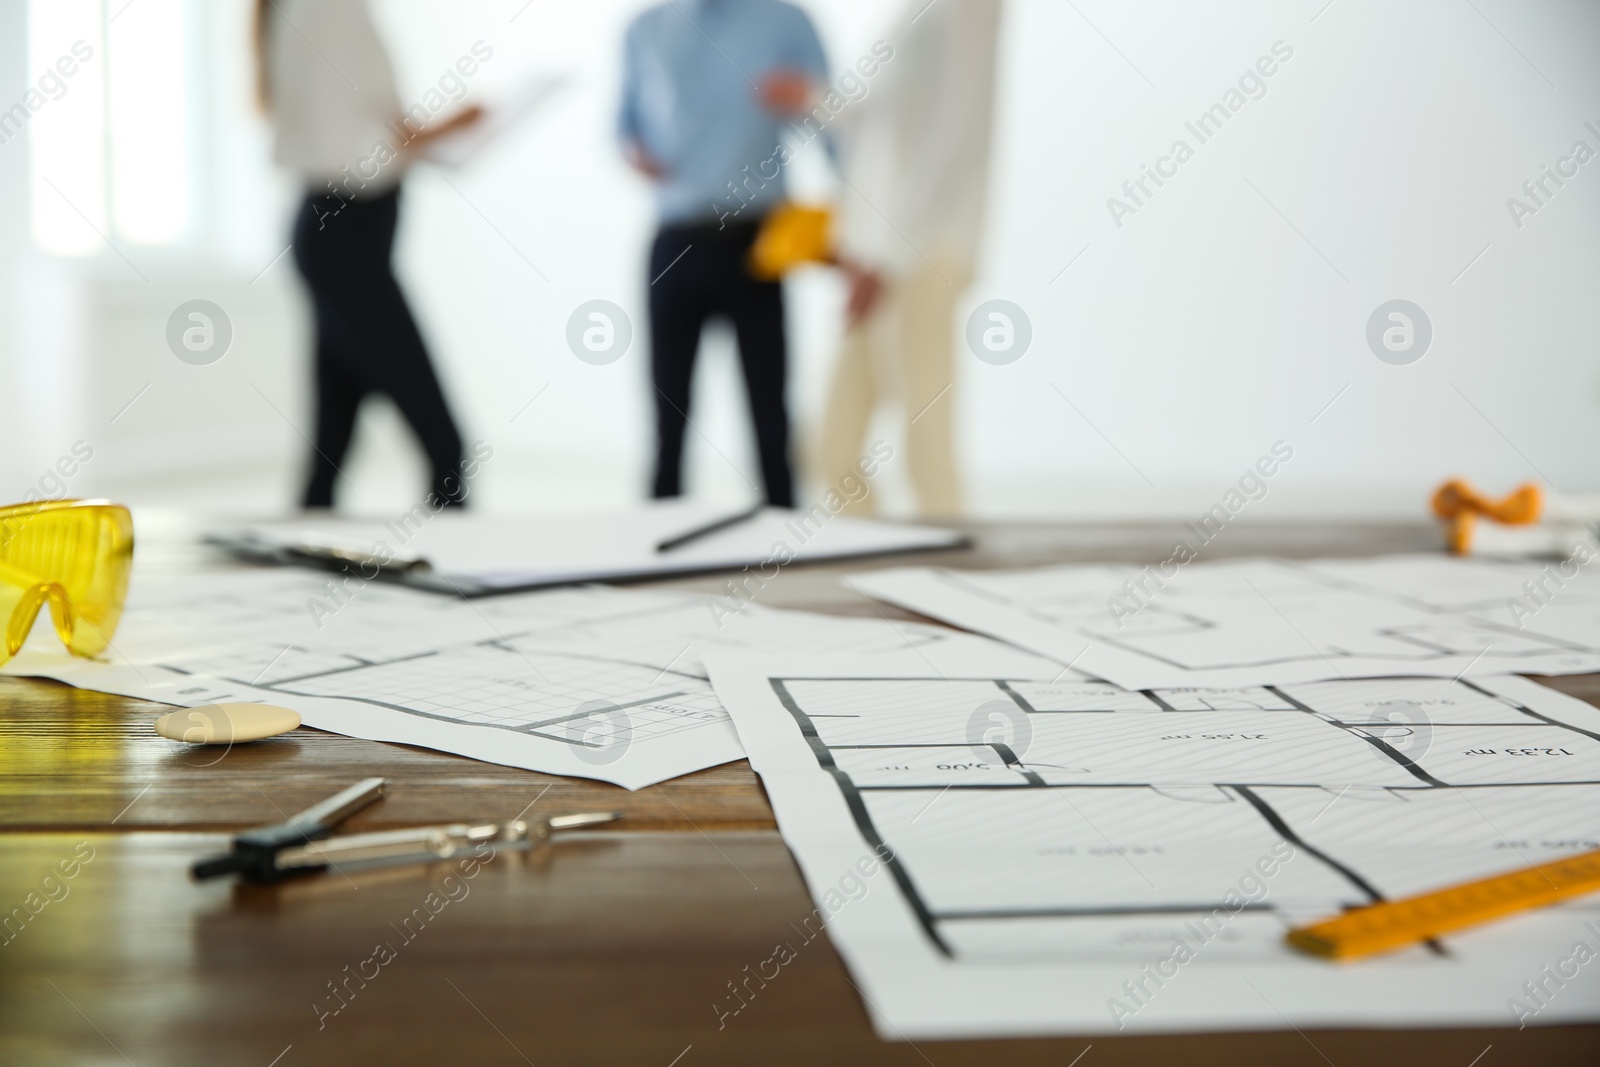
(708, 88)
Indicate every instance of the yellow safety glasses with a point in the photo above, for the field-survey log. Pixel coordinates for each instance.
(75, 554)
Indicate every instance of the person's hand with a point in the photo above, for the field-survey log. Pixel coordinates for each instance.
(468, 116)
(419, 140)
(644, 162)
(866, 290)
(785, 93)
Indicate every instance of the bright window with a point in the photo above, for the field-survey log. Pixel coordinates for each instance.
(66, 124)
(108, 122)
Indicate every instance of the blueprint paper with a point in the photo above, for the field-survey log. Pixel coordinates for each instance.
(1264, 621)
(593, 682)
(1001, 855)
(502, 117)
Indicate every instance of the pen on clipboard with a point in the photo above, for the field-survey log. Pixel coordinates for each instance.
(690, 536)
(1396, 924)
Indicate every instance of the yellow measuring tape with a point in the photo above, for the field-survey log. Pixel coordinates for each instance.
(1398, 923)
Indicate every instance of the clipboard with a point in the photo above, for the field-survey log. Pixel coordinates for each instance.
(470, 555)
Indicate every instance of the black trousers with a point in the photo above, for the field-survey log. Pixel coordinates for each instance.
(697, 272)
(367, 341)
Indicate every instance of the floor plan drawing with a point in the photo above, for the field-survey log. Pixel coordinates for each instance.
(594, 682)
(1260, 621)
(1051, 841)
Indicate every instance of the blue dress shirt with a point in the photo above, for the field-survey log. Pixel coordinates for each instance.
(689, 99)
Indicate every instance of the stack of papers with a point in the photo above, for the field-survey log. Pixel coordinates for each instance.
(1100, 816)
(591, 682)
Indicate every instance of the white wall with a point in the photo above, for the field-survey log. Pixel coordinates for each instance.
(1223, 316)
(1205, 327)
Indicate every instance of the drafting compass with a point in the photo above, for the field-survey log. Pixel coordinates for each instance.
(302, 844)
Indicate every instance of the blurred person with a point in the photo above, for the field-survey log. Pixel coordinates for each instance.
(707, 88)
(916, 167)
(350, 148)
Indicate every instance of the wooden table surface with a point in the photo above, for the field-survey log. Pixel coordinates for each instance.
(612, 949)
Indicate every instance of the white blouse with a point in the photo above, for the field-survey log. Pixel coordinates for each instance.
(332, 96)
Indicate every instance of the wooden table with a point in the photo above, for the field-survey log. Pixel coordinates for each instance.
(612, 950)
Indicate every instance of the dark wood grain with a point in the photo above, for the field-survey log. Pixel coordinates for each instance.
(611, 949)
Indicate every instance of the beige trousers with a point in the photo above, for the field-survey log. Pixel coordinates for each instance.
(903, 354)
